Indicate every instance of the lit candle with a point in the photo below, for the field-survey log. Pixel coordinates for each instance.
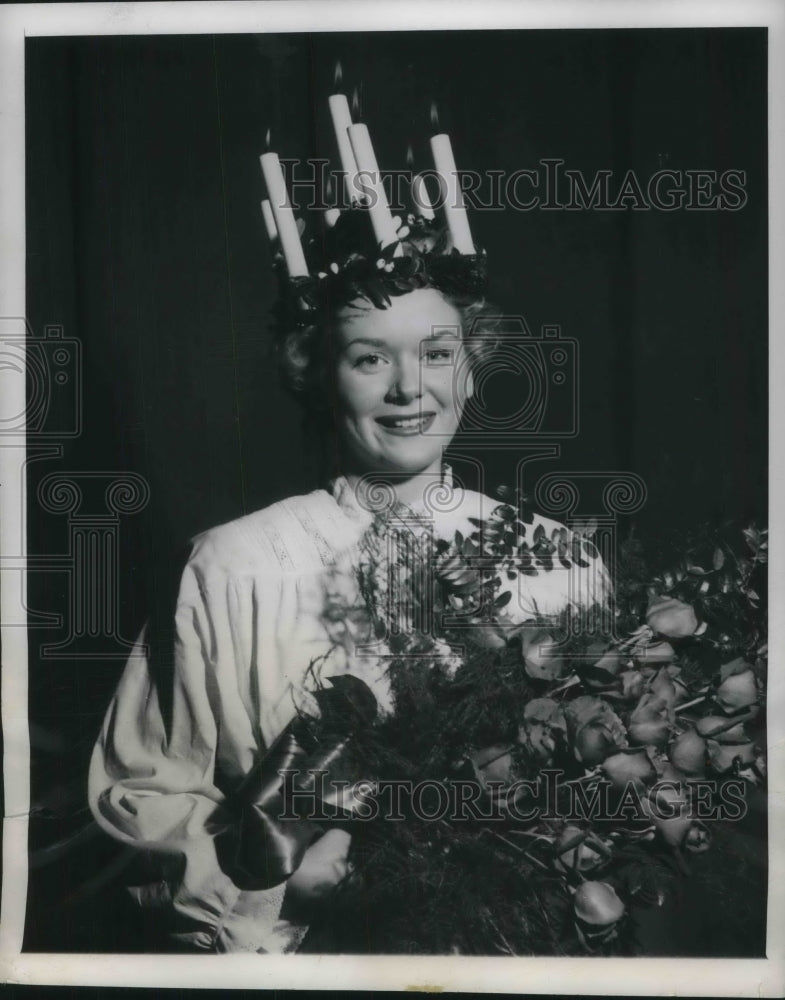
(332, 214)
(455, 211)
(371, 182)
(284, 216)
(342, 119)
(269, 220)
(420, 197)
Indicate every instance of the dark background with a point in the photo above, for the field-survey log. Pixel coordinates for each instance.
(145, 242)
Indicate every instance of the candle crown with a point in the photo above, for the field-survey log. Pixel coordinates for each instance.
(366, 251)
(345, 264)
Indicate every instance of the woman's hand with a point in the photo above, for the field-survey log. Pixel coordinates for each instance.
(324, 865)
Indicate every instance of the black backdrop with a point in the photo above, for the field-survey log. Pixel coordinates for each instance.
(145, 242)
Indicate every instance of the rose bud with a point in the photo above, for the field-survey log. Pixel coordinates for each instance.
(543, 726)
(671, 618)
(593, 743)
(736, 734)
(709, 725)
(492, 764)
(540, 659)
(655, 653)
(664, 687)
(597, 904)
(574, 854)
(604, 657)
(698, 838)
(547, 711)
(595, 729)
(668, 809)
(650, 734)
(737, 691)
(650, 722)
(636, 767)
(580, 859)
(486, 636)
(610, 661)
(723, 755)
(632, 684)
(737, 666)
(688, 753)
(682, 691)
(651, 708)
(667, 772)
(719, 727)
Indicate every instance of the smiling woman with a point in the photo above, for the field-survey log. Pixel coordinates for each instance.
(400, 400)
(383, 361)
(145, 243)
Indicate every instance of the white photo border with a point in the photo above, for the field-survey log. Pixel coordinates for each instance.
(591, 976)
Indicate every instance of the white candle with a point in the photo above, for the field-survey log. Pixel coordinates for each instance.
(371, 182)
(342, 119)
(269, 220)
(284, 216)
(331, 216)
(455, 211)
(420, 197)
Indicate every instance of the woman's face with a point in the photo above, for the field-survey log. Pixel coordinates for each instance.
(402, 381)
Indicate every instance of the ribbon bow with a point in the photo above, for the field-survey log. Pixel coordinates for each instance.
(276, 829)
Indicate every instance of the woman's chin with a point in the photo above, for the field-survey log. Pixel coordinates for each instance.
(410, 458)
(410, 463)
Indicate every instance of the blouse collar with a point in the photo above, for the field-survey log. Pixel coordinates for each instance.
(362, 505)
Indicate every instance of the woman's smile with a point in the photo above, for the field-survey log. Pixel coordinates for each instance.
(404, 425)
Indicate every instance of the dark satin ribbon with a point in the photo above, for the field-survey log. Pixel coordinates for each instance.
(268, 848)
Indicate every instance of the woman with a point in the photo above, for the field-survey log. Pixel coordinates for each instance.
(381, 357)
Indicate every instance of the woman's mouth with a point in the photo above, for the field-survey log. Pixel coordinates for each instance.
(405, 424)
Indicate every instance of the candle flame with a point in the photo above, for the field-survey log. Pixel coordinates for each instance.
(434, 115)
(267, 140)
(338, 76)
(328, 194)
(409, 156)
(355, 104)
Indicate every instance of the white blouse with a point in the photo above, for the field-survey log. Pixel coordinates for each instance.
(249, 621)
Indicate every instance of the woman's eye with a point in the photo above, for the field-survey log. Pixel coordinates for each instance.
(368, 362)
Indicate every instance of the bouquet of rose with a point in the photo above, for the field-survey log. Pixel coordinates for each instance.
(538, 780)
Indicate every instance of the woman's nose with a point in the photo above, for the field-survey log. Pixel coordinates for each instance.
(405, 383)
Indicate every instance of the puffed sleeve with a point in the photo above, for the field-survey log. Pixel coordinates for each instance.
(564, 569)
(567, 570)
(154, 782)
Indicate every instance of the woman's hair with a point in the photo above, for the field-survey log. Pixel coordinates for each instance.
(306, 320)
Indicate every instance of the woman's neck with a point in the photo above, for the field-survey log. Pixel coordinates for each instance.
(412, 491)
